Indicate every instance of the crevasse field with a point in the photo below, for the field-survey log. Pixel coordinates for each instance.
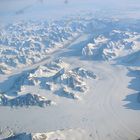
(69, 70)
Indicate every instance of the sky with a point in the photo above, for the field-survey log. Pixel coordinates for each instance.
(34, 9)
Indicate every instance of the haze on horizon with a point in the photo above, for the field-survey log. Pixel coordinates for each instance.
(33, 9)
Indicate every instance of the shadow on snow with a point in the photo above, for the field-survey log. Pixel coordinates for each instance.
(133, 99)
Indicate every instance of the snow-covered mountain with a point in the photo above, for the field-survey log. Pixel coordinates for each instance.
(25, 43)
(55, 77)
(59, 134)
(113, 45)
(25, 100)
(73, 78)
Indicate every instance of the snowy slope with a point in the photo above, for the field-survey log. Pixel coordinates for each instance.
(55, 77)
(28, 42)
(113, 45)
(25, 43)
